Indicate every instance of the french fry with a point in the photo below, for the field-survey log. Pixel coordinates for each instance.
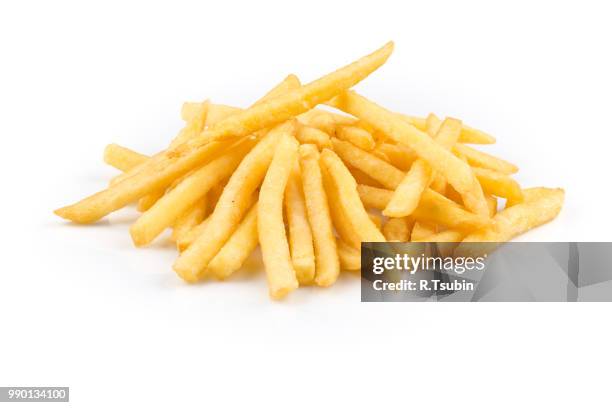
(300, 235)
(399, 156)
(218, 112)
(408, 193)
(376, 219)
(398, 229)
(232, 205)
(374, 197)
(477, 158)
(188, 220)
(148, 201)
(376, 168)
(190, 109)
(272, 236)
(456, 172)
(499, 184)
(162, 169)
(468, 134)
(492, 201)
(319, 119)
(194, 126)
(122, 158)
(327, 264)
(237, 249)
(436, 208)
(312, 135)
(539, 207)
(422, 230)
(191, 189)
(357, 136)
(185, 240)
(341, 223)
(345, 185)
(350, 257)
(444, 236)
(362, 178)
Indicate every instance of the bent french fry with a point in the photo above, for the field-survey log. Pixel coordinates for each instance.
(327, 264)
(232, 205)
(456, 172)
(272, 236)
(300, 235)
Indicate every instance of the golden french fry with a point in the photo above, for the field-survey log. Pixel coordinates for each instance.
(272, 236)
(327, 264)
(191, 189)
(190, 109)
(300, 235)
(191, 218)
(408, 193)
(122, 158)
(499, 184)
(374, 197)
(185, 240)
(218, 112)
(492, 201)
(339, 219)
(345, 185)
(456, 172)
(350, 257)
(422, 230)
(477, 158)
(374, 167)
(399, 156)
(357, 136)
(362, 178)
(233, 204)
(468, 134)
(163, 168)
(237, 249)
(312, 135)
(148, 201)
(194, 126)
(539, 207)
(436, 208)
(444, 236)
(398, 229)
(376, 219)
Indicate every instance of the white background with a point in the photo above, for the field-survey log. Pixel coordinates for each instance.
(80, 307)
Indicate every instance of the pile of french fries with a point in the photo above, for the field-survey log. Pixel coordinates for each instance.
(308, 184)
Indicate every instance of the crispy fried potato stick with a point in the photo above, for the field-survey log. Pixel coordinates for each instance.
(477, 158)
(300, 235)
(350, 257)
(162, 169)
(374, 167)
(444, 236)
(374, 197)
(422, 230)
(233, 204)
(237, 248)
(272, 236)
(353, 209)
(189, 219)
(399, 156)
(217, 112)
(456, 172)
(339, 219)
(499, 184)
(312, 135)
(357, 136)
(539, 207)
(468, 134)
(191, 189)
(122, 158)
(408, 193)
(183, 242)
(327, 264)
(398, 229)
(492, 201)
